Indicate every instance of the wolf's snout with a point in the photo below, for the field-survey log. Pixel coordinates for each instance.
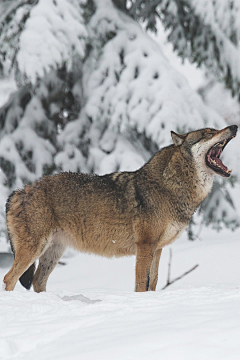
(233, 128)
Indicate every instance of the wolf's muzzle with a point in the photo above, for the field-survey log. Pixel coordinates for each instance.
(233, 128)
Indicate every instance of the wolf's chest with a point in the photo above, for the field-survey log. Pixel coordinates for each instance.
(172, 231)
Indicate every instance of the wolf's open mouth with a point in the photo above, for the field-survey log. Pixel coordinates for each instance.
(213, 158)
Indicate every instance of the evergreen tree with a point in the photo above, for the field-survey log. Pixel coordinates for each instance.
(207, 32)
(95, 94)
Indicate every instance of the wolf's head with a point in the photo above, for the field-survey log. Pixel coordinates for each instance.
(205, 146)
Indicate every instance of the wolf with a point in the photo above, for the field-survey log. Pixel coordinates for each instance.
(118, 214)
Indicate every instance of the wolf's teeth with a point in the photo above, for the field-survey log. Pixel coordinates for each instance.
(222, 144)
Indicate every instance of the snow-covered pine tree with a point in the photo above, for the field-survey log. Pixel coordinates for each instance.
(34, 115)
(207, 32)
(220, 99)
(95, 94)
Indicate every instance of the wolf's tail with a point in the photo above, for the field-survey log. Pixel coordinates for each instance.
(27, 278)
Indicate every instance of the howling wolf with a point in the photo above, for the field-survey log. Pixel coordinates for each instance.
(118, 214)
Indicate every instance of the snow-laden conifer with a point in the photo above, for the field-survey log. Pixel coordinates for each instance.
(206, 32)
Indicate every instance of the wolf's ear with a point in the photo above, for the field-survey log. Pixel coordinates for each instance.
(177, 139)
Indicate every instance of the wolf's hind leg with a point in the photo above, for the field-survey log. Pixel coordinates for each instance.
(47, 263)
(25, 256)
(154, 270)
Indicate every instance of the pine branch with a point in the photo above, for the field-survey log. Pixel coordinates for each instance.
(209, 42)
(120, 4)
(169, 281)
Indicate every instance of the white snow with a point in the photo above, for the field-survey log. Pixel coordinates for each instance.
(53, 31)
(90, 311)
(220, 99)
(7, 86)
(193, 74)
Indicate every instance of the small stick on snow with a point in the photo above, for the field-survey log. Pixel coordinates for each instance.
(170, 282)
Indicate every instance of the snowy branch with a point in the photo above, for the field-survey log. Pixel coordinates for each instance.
(207, 32)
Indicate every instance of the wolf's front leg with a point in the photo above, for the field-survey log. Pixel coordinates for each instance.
(154, 270)
(143, 266)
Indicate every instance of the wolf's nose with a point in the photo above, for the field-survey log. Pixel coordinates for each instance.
(233, 128)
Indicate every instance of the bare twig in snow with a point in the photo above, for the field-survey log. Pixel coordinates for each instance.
(169, 281)
(61, 263)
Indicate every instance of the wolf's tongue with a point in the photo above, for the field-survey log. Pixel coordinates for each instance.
(219, 162)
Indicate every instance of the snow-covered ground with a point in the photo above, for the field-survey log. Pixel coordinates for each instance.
(90, 311)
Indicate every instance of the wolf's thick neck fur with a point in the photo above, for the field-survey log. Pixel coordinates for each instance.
(182, 182)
